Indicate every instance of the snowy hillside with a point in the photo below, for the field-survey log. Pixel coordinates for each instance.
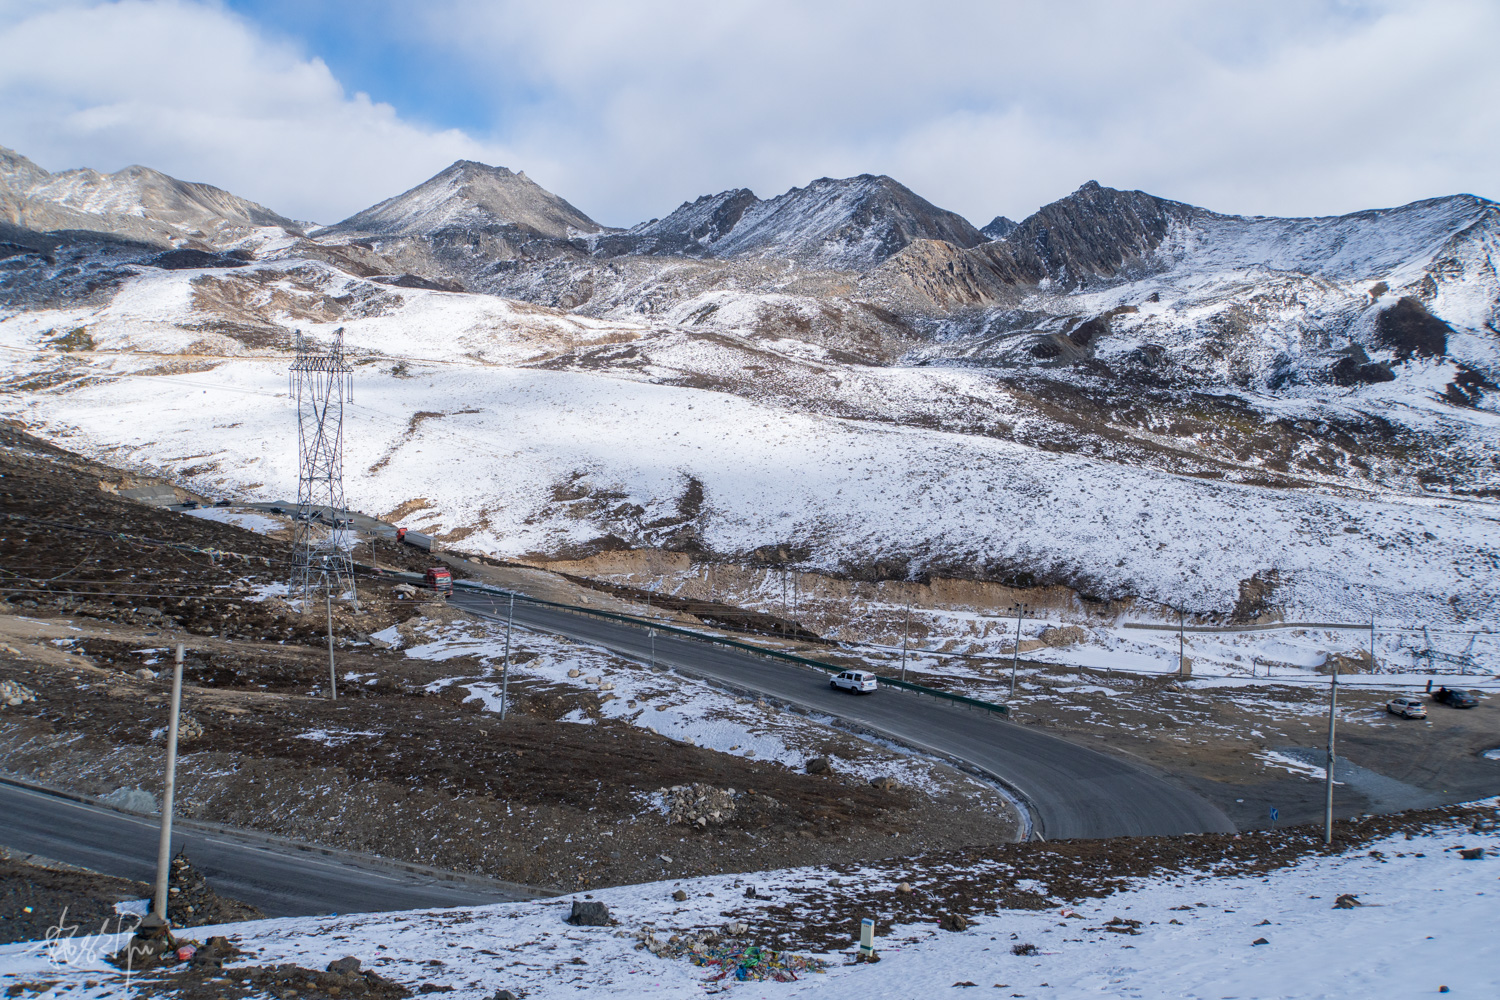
(1407, 913)
(545, 434)
(1126, 395)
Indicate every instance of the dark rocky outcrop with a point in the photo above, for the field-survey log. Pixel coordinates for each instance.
(1409, 329)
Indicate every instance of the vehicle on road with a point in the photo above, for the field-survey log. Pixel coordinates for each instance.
(438, 578)
(189, 505)
(858, 681)
(1407, 707)
(221, 503)
(1454, 698)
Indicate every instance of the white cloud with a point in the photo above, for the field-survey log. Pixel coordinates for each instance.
(1294, 107)
(196, 92)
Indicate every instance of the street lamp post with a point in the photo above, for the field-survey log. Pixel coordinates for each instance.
(1333, 698)
(905, 636)
(1015, 659)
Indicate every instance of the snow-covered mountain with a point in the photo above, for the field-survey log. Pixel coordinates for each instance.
(475, 196)
(845, 372)
(849, 224)
(136, 203)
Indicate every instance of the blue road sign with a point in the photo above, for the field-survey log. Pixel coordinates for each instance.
(1275, 814)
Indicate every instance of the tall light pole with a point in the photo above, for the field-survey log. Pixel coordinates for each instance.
(905, 635)
(1333, 698)
(1015, 659)
(168, 792)
(505, 670)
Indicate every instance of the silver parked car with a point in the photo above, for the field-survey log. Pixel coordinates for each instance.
(858, 681)
(1407, 706)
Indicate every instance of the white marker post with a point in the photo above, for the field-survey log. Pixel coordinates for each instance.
(867, 938)
(169, 785)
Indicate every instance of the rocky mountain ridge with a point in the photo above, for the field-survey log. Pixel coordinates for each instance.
(135, 203)
(848, 224)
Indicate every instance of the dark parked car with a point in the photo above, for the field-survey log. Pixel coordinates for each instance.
(1454, 698)
(222, 503)
(189, 505)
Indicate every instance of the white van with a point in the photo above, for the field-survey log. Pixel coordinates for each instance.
(858, 681)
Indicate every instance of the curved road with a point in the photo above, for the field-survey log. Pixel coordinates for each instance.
(1071, 791)
(281, 878)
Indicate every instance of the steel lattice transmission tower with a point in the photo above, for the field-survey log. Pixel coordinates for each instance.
(321, 383)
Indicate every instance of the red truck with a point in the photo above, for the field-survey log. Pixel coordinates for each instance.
(439, 579)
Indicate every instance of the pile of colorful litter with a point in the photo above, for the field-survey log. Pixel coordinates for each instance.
(754, 963)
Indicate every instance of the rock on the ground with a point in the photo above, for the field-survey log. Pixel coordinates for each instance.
(14, 694)
(589, 913)
(818, 765)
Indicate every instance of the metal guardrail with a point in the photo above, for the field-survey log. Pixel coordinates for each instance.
(919, 689)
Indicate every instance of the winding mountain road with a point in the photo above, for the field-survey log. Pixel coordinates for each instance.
(1071, 791)
(281, 878)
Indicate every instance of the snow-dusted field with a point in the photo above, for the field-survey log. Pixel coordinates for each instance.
(1426, 922)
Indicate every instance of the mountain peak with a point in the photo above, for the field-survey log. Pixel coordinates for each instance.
(1000, 227)
(470, 194)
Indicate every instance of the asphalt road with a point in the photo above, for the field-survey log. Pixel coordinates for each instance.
(1072, 791)
(282, 881)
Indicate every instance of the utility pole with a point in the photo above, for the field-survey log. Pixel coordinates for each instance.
(1015, 659)
(1333, 699)
(333, 676)
(652, 633)
(168, 791)
(905, 634)
(1372, 642)
(1181, 644)
(505, 670)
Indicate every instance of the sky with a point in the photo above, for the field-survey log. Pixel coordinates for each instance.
(319, 108)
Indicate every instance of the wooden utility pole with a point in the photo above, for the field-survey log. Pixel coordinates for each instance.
(1015, 659)
(168, 791)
